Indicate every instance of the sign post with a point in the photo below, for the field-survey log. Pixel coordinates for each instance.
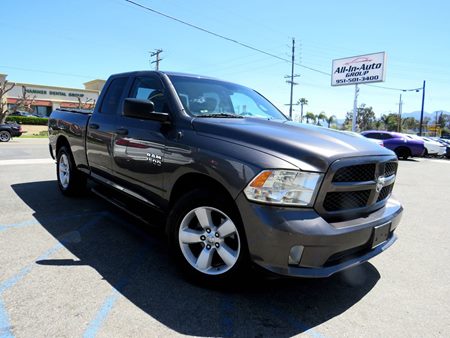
(358, 69)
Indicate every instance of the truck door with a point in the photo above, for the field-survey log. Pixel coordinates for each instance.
(102, 127)
(139, 144)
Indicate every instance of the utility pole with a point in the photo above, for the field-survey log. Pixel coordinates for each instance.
(158, 59)
(291, 77)
(400, 104)
(421, 112)
(355, 108)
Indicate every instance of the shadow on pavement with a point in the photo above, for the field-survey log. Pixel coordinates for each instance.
(135, 261)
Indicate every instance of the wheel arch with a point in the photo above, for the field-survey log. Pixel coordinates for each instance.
(60, 142)
(191, 181)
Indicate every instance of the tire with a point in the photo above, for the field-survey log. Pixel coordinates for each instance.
(425, 154)
(5, 136)
(403, 153)
(207, 239)
(71, 182)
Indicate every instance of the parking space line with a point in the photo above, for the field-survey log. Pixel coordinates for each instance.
(5, 327)
(18, 225)
(33, 221)
(27, 161)
(96, 324)
(227, 309)
(292, 320)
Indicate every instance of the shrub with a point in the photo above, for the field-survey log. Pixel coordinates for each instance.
(41, 121)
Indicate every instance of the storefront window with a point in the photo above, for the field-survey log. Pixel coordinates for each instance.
(42, 111)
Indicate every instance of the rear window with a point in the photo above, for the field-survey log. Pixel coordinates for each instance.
(112, 97)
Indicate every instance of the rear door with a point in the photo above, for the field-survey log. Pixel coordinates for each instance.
(102, 128)
(139, 144)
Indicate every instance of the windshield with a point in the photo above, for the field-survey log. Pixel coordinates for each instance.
(213, 98)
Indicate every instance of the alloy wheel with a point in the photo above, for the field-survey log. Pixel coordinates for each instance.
(209, 240)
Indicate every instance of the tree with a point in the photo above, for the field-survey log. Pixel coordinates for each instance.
(330, 120)
(443, 120)
(24, 102)
(302, 102)
(321, 117)
(390, 121)
(410, 123)
(310, 116)
(88, 104)
(5, 87)
(365, 118)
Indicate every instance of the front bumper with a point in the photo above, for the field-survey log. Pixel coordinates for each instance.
(271, 232)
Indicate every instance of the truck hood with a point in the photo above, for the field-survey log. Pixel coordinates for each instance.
(308, 147)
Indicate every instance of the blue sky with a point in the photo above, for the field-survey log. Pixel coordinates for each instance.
(70, 42)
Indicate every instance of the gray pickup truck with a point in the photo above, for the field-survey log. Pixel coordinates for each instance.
(240, 184)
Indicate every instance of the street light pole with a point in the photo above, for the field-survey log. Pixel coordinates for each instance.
(421, 112)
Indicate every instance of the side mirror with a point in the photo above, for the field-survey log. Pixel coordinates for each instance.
(143, 109)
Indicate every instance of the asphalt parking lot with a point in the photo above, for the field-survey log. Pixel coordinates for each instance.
(79, 267)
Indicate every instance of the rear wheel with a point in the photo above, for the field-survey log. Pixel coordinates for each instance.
(207, 238)
(71, 182)
(403, 153)
(5, 136)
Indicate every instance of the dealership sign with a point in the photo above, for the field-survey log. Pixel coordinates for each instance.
(359, 69)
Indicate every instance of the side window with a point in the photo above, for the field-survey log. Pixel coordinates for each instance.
(372, 135)
(147, 88)
(385, 136)
(112, 97)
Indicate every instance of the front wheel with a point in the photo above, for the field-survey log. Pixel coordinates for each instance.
(5, 136)
(70, 181)
(207, 237)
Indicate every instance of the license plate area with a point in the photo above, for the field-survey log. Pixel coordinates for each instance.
(380, 234)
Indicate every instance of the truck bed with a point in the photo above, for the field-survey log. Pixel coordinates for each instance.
(73, 124)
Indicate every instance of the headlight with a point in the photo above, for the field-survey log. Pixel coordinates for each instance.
(284, 187)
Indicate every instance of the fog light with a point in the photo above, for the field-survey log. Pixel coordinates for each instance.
(295, 255)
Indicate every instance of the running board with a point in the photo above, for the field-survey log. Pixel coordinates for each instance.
(122, 206)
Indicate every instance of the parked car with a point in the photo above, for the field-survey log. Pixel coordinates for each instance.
(239, 182)
(432, 147)
(445, 143)
(404, 147)
(9, 130)
(379, 142)
(22, 113)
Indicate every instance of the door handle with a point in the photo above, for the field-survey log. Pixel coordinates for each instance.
(93, 126)
(122, 131)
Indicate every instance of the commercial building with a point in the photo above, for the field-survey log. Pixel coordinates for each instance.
(43, 99)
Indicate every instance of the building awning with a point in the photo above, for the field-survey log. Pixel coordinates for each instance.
(35, 102)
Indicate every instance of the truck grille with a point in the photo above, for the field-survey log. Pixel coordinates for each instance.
(356, 173)
(356, 187)
(385, 192)
(390, 168)
(346, 200)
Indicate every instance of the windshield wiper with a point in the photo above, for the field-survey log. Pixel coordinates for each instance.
(221, 115)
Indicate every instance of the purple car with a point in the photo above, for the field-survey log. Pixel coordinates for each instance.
(402, 146)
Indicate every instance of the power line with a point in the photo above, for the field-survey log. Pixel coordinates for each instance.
(47, 72)
(247, 45)
(221, 36)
